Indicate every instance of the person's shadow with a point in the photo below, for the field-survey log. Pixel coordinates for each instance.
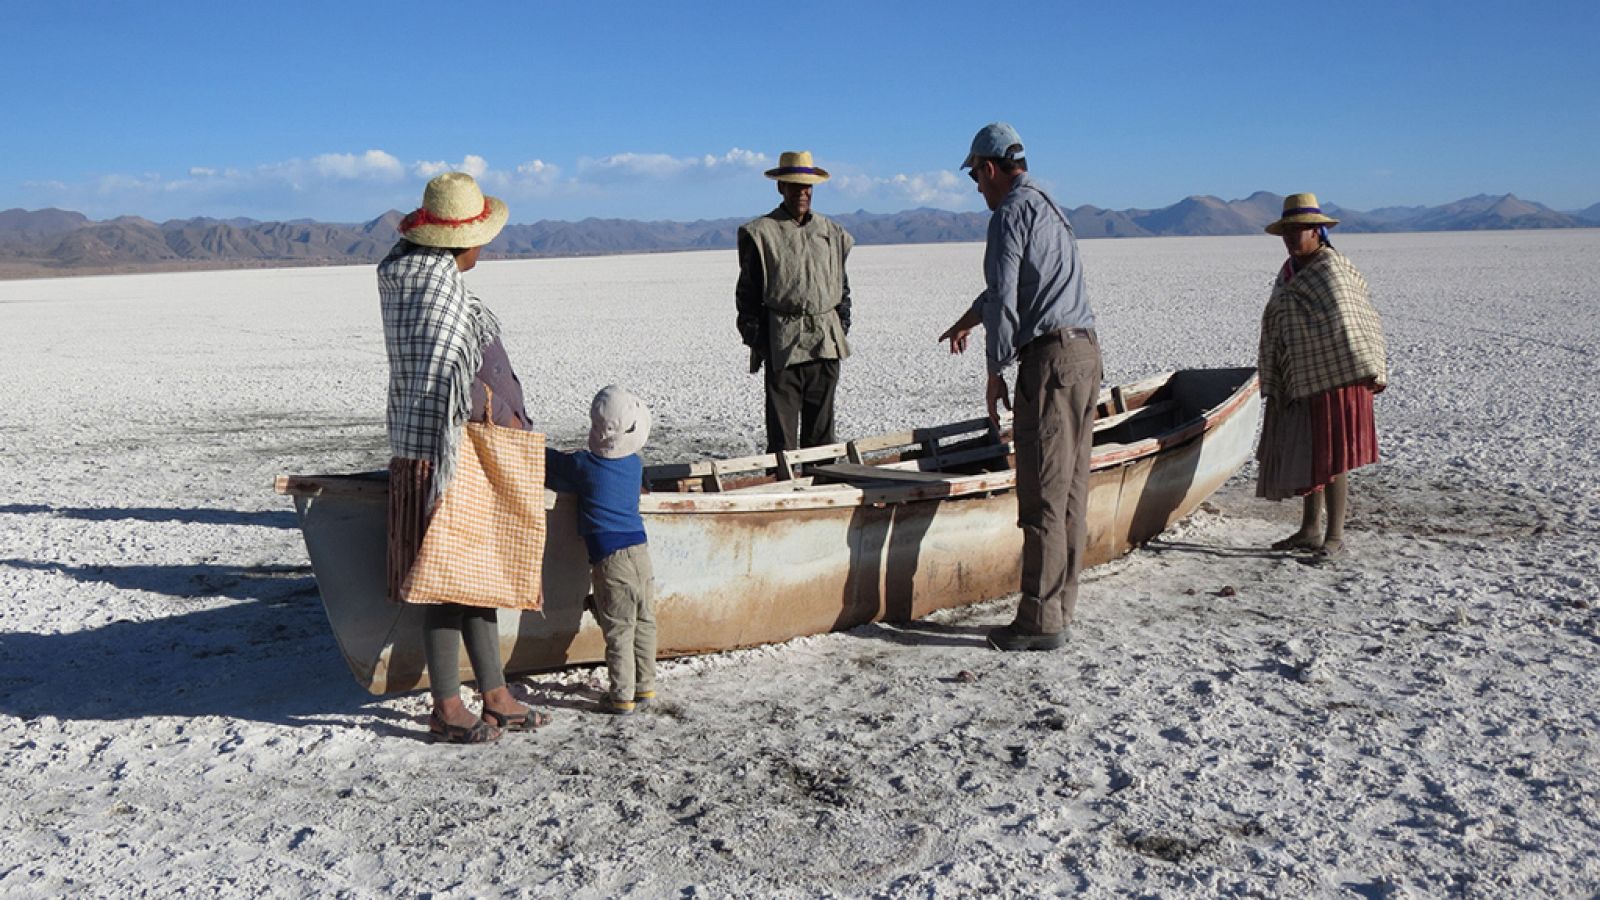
(880, 599)
(270, 656)
(184, 516)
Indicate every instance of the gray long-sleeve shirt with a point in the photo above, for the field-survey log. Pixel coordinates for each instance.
(1033, 277)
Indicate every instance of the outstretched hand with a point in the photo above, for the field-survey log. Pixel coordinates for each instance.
(957, 336)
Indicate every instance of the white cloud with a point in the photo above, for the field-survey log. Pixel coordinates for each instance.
(529, 177)
(736, 158)
(663, 167)
(473, 165)
(941, 189)
(371, 164)
(350, 186)
(637, 165)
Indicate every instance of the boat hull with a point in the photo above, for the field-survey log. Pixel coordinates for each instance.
(738, 570)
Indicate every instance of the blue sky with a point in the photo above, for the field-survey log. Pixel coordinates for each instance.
(341, 110)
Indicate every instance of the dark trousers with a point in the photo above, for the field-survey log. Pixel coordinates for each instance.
(803, 394)
(1058, 385)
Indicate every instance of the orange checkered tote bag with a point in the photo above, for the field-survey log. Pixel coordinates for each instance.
(485, 544)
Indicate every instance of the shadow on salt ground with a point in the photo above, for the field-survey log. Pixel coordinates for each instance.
(186, 516)
(187, 581)
(556, 695)
(1372, 890)
(272, 659)
(923, 634)
(1220, 551)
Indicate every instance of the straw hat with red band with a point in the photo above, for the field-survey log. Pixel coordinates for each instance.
(1300, 209)
(796, 166)
(454, 214)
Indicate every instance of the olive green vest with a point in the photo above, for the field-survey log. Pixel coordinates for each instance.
(802, 268)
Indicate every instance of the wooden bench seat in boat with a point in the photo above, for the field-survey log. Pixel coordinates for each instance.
(856, 473)
(1148, 411)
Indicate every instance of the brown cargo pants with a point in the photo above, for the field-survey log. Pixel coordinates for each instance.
(1058, 385)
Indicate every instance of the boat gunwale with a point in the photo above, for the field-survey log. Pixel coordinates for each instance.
(847, 496)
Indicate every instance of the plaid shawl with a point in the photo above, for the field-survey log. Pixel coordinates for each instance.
(1320, 330)
(434, 331)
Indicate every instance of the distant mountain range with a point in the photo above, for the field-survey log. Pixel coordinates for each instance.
(54, 241)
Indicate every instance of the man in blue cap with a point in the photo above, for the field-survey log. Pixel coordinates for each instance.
(1034, 313)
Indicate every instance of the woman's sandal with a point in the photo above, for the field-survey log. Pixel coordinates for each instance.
(1297, 542)
(1333, 549)
(478, 732)
(525, 721)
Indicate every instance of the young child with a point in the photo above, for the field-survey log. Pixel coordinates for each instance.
(606, 479)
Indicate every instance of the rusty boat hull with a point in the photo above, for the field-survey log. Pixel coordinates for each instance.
(765, 549)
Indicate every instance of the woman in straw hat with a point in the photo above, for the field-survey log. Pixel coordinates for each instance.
(1321, 361)
(446, 365)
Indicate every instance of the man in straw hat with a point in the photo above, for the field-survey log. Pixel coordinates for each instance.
(1322, 359)
(793, 301)
(1034, 312)
(446, 364)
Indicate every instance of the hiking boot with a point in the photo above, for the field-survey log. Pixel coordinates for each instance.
(1008, 638)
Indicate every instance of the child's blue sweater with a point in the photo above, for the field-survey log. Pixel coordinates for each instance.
(608, 492)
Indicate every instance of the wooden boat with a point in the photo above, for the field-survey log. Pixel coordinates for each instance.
(766, 548)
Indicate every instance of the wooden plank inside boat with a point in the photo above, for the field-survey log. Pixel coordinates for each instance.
(859, 474)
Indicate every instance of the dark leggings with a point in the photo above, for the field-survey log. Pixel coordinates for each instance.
(446, 627)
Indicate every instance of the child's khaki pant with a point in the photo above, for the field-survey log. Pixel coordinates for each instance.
(625, 607)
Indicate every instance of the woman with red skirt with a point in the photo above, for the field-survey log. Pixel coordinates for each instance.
(1322, 360)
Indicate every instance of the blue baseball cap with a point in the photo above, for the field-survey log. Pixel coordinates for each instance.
(994, 140)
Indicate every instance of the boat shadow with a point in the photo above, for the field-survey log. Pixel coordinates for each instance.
(268, 658)
(178, 515)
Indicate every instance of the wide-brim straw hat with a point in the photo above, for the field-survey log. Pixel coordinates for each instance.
(796, 166)
(1300, 209)
(619, 423)
(454, 214)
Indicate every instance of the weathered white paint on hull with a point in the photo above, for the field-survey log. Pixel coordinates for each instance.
(737, 570)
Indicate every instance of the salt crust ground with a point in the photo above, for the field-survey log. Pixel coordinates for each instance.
(1417, 720)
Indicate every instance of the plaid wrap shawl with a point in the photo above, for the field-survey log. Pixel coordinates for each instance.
(434, 331)
(1320, 331)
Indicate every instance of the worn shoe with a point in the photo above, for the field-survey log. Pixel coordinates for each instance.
(526, 721)
(1008, 638)
(616, 707)
(480, 732)
(644, 698)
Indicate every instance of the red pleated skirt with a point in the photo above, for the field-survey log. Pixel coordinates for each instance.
(1306, 443)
